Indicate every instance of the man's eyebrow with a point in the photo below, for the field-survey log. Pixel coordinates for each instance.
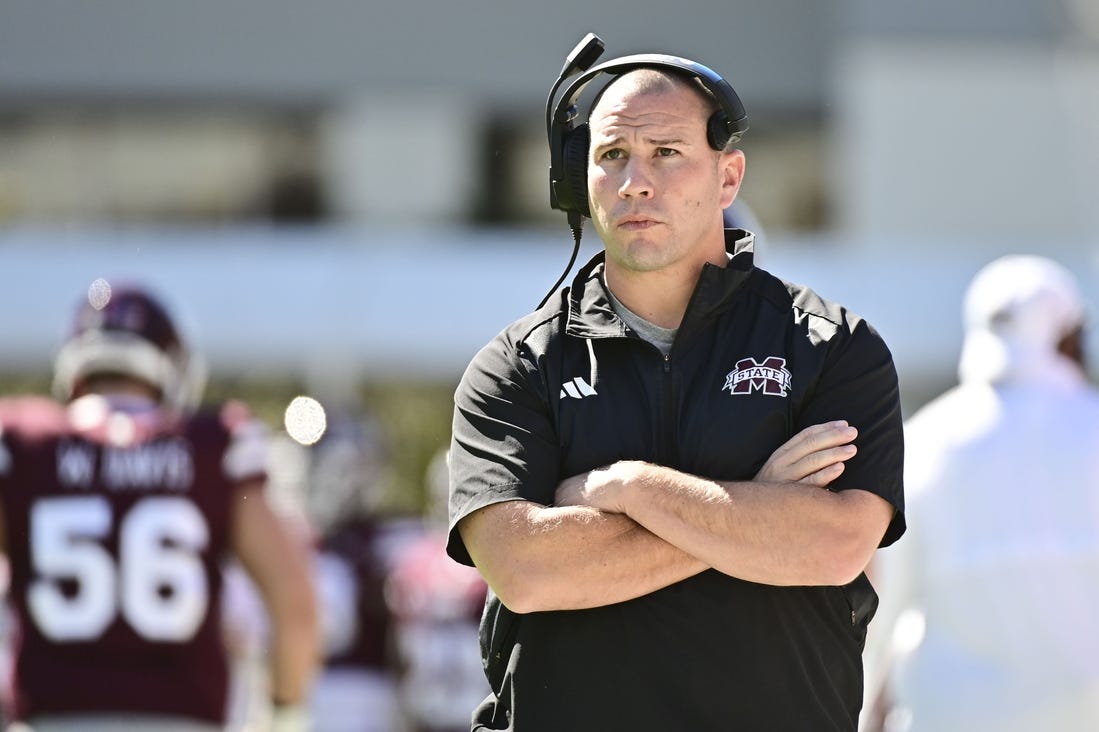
(665, 141)
(607, 143)
(657, 141)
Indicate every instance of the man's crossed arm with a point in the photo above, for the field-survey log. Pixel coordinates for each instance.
(632, 528)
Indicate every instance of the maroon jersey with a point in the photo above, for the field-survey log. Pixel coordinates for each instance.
(357, 545)
(116, 519)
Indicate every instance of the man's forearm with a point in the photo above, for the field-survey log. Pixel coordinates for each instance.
(293, 656)
(773, 533)
(569, 557)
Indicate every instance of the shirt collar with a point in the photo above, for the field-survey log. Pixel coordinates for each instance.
(591, 314)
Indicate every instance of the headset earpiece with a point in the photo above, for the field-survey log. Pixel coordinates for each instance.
(575, 170)
(719, 132)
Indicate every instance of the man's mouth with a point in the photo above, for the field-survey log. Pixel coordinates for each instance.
(636, 223)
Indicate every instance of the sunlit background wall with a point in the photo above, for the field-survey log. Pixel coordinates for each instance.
(347, 199)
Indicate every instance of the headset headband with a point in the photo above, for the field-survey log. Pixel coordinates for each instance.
(727, 99)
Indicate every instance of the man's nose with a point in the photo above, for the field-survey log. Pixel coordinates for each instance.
(638, 180)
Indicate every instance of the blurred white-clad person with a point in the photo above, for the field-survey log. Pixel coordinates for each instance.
(993, 598)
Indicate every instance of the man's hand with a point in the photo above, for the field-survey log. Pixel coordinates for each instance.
(595, 488)
(814, 456)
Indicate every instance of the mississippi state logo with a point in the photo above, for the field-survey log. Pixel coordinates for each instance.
(768, 377)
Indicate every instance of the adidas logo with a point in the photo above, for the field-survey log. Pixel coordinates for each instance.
(577, 389)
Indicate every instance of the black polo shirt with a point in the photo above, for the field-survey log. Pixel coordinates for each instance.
(570, 388)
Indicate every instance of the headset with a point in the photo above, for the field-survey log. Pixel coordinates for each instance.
(569, 141)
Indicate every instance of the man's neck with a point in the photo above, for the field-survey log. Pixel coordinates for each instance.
(660, 296)
(654, 296)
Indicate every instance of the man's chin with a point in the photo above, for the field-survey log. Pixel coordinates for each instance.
(643, 255)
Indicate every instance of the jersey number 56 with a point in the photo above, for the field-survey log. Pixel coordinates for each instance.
(157, 583)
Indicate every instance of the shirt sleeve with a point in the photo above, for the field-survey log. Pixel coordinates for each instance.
(858, 383)
(504, 444)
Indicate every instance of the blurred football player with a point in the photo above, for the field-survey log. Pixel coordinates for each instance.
(356, 690)
(119, 503)
(436, 605)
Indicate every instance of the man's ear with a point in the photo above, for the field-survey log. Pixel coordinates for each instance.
(1072, 346)
(731, 167)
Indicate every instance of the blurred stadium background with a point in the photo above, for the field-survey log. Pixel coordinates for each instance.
(347, 202)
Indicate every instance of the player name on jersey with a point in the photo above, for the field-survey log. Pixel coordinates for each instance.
(166, 463)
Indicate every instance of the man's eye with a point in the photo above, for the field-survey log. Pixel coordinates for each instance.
(665, 152)
(613, 154)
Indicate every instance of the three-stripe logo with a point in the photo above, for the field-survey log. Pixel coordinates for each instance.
(577, 389)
